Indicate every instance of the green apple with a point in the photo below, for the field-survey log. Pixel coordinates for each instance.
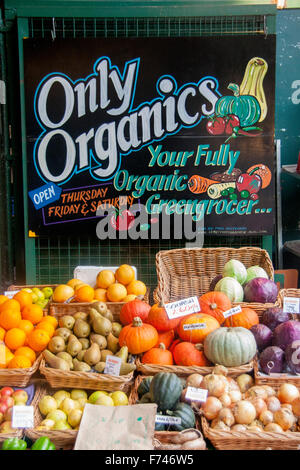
(60, 396)
(95, 395)
(74, 418)
(48, 292)
(42, 303)
(61, 425)
(39, 293)
(57, 415)
(47, 404)
(81, 402)
(68, 405)
(76, 394)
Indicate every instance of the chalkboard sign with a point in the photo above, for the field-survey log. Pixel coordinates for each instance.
(123, 129)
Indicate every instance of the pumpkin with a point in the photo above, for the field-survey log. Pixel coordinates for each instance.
(215, 304)
(165, 390)
(185, 413)
(144, 386)
(158, 355)
(132, 309)
(230, 347)
(188, 354)
(138, 337)
(145, 398)
(198, 335)
(246, 318)
(245, 107)
(175, 342)
(159, 319)
(166, 338)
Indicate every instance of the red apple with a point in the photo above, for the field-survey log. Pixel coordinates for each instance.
(8, 414)
(1, 417)
(3, 408)
(7, 391)
(5, 427)
(20, 396)
(8, 401)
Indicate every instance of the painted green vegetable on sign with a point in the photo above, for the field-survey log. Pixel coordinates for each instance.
(245, 107)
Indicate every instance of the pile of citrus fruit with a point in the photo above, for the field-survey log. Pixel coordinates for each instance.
(24, 331)
(119, 286)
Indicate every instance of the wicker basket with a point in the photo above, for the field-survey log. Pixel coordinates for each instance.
(19, 377)
(249, 440)
(189, 271)
(39, 286)
(86, 380)
(64, 440)
(185, 371)
(275, 380)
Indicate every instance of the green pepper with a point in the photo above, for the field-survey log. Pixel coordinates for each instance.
(43, 443)
(14, 443)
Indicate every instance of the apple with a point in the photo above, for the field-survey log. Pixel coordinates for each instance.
(20, 396)
(95, 395)
(8, 414)
(2, 417)
(5, 427)
(81, 402)
(76, 394)
(57, 415)
(46, 424)
(6, 391)
(8, 401)
(42, 303)
(3, 408)
(39, 293)
(61, 425)
(48, 292)
(74, 418)
(60, 396)
(47, 404)
(68, 405)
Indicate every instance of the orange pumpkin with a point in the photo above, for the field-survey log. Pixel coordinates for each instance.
(166, 338)
(188, 354)
(158, 355)
(215, 304)
(159, 319)
(132, 309)
(246, 318)
(197, 335)
(138, 336)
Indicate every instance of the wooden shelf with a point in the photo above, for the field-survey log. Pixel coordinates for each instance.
(291, 170)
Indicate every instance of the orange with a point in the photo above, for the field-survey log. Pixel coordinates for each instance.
(10, 304)
(136, 288)
(74, 282)
(5, 356)
(15, 338)
(24, 298)
(62, 293)
(19, 362)
(129, 297)
(125, 274)
(10, 319)
(105, 279)
(100, 294)
(51, 320)
(82, 284)
(26, 326)
(33, 313)
(28, 352)
(2, 333)
(38, 340)
(3, 299)
(84, 294)
(116, 292)
(46, 326)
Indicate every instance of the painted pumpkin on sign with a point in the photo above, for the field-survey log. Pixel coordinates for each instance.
(245, 107)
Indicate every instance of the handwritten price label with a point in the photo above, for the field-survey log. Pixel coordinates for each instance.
(196, 394)
(291, 304)
(163, 419)
(112, 365)
(22, 417)
(195, 326)
(10, 293)
(232, 311)
(182, 307)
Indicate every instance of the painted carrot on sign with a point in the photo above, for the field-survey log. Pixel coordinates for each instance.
(198, 184)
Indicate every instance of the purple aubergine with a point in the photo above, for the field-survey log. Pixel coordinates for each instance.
(273, 317)
(260, 290)
(292, 356)
(271, 360)
(263, 336)
(285, 333)
(214, 282)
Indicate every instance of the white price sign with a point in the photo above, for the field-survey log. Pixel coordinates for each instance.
(112, 365)
(22, 417)
(232, 311)
(163, 419)
(195, 326)
(196, 394)
(182, 307)
(291, 304)
(11, 293)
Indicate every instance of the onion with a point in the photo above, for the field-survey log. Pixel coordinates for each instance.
(259, 404)
(288, 406)
(296, 407)
(232, 384)
(235, 395)
(257, 392)
(287, 393)
(239, 428)
(285, 418)
(244, 412)
(217, 424)
(211, 408)
(215, 384)
(273, 427)
(225, 400)
(245, 381)
(266, 417)
(270, 391)
(254, 428)
(194, 380)
(226, 416)
(220, 370)
(273, 404)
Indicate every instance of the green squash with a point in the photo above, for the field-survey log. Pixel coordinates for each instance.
(187, 415)
(144, 386)
(146, 398)
(245, 107)
(230, 347)
(165, 390)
